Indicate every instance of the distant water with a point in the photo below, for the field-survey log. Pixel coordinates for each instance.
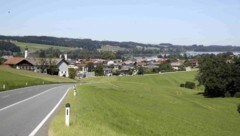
(194, 53)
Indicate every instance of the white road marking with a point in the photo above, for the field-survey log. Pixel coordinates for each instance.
(48, 116)
(26, 99)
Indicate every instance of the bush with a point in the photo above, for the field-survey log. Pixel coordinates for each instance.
(237, 95)
(190, 85)
(72, 73)
(116, 73)
(227, 94)
(182, 85)
(99, 70)
(238, 108)
(140, 71)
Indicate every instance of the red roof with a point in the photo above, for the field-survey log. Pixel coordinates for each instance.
(13, 61)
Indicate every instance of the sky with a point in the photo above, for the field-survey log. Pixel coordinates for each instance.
(183, 22)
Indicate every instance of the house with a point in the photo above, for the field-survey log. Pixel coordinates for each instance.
(126, 69)
(176, 65)
(107, 71)
(62, 65)
(36, 64)
(19, 63)
(194, 63)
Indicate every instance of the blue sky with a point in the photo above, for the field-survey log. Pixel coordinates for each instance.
(148, 21)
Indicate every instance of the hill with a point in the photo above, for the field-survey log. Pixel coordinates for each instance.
(90, 44)
(33, 47)
(13, 78)
(146, 106)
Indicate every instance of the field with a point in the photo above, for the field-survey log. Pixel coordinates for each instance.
(32, 47)
(152, 105)
(13, 78)
(111, 48)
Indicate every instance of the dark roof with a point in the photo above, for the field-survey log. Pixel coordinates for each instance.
(38, 61)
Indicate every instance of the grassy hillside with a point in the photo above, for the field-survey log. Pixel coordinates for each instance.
(13, 78)
(32, 47)
(146, 106)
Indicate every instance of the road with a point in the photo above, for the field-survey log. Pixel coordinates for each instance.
(26, 111)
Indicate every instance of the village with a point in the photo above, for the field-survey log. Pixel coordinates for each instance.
(87, 67)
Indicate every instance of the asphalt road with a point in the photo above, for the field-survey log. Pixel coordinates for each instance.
(23, 111)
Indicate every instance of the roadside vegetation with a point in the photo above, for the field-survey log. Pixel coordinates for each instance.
(13, 78)
(150, 105)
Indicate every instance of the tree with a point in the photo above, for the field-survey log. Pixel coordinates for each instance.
(190, 85)
(140, 71)
(42, 54)
(165, 66)
(90, 66)
(72, 73)
(42, 64)
(235, 76)
(108, 55)
(187, 63)
(52, 67)
(216, 75)
(2, 60)
(182, 68)
(9, 46)
(50, 52)
(99, 70)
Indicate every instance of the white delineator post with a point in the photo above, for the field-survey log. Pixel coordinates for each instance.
(26, 83)
(74, 92)
(67, 115)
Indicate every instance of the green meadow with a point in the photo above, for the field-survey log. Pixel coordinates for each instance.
(32, 47)
(13, 78)
(151, 105)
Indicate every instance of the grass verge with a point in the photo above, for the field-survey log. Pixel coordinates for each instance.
(13, 78)
(151, 105)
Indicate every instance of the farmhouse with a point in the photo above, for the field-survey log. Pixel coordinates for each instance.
(39, 64)
(19, 63)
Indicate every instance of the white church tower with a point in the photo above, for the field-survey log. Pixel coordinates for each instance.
(26, 53)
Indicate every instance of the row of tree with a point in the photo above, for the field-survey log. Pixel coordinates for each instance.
(220, 75)
(8, 46)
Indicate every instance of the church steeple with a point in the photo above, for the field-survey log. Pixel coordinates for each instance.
(26, 52)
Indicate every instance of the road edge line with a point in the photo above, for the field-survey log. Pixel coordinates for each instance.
(9, 106)
(48, 116)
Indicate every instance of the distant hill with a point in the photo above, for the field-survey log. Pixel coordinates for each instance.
(94, 45)
(70, 42)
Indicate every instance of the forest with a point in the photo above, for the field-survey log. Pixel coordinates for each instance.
(8, 48)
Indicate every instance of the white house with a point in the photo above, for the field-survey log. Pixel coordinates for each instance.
(61, 64)
(63, 67)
